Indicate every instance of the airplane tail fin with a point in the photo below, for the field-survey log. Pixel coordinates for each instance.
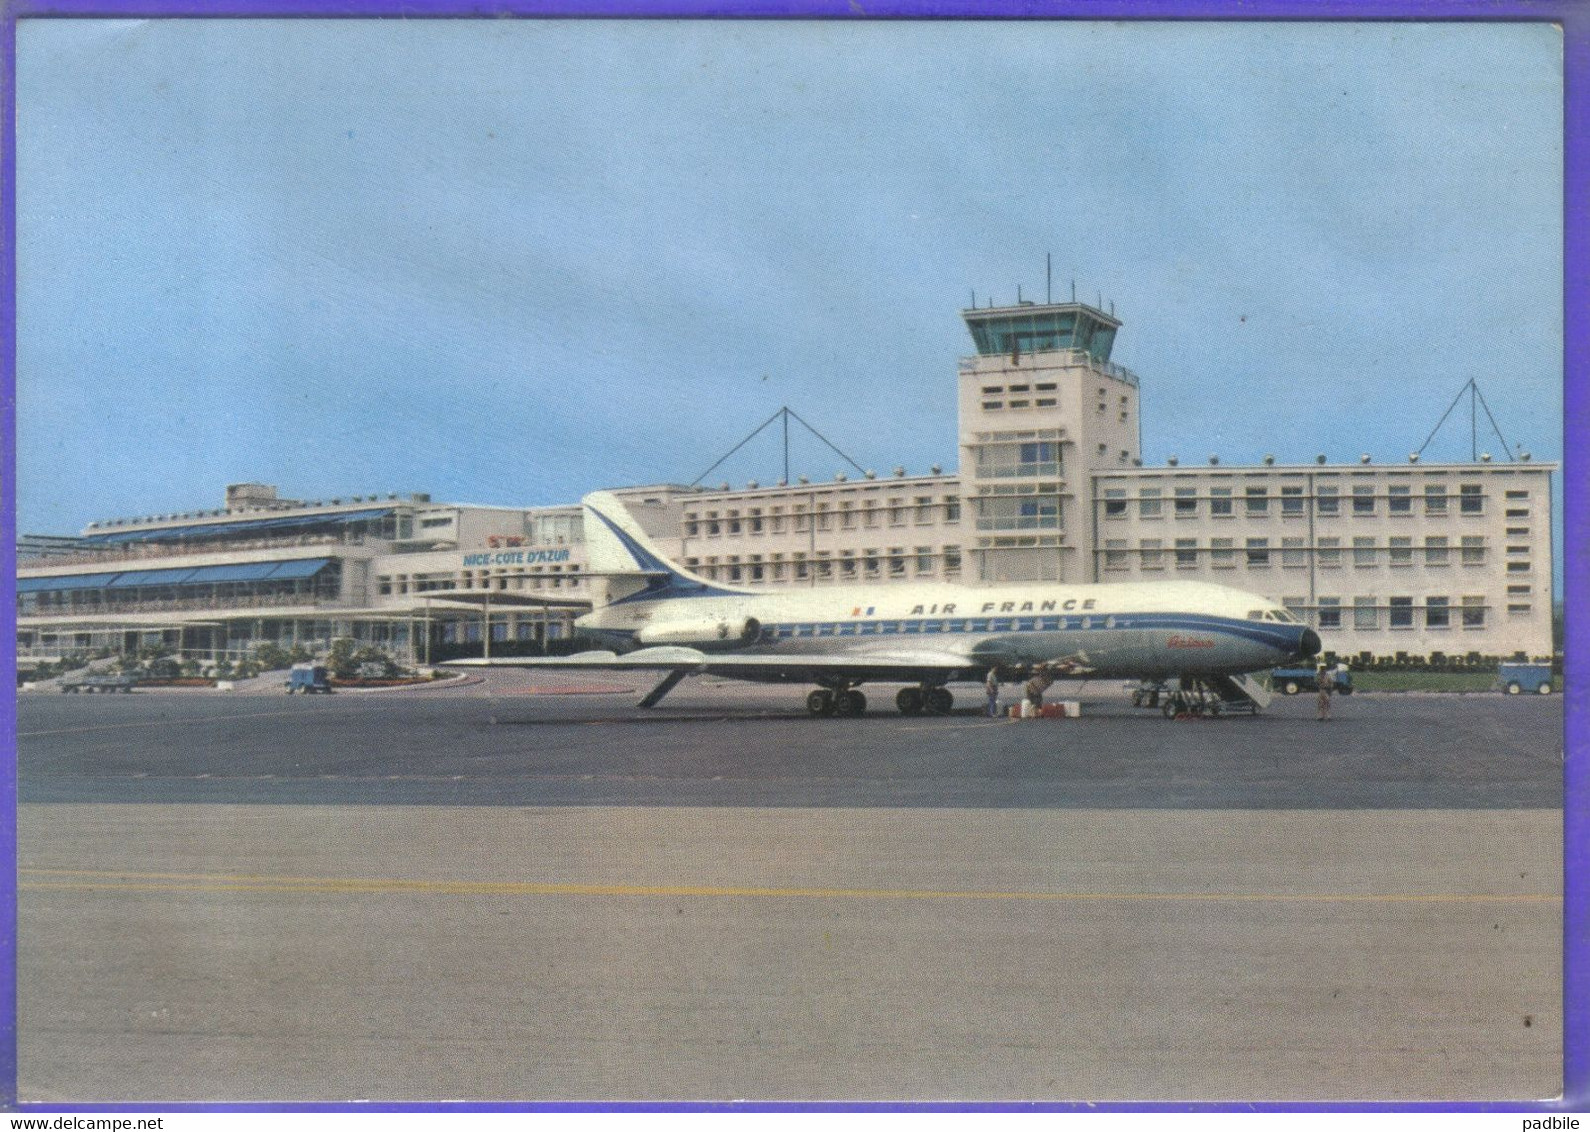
(615, 544)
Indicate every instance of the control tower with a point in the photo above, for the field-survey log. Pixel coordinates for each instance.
(1041, 408)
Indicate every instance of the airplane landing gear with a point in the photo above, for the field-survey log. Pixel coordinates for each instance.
(836, 701)
(1190, 701)
(933, 701)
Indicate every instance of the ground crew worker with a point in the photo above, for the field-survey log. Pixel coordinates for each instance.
(1324, 678)
(1037, 686)
(991, 686)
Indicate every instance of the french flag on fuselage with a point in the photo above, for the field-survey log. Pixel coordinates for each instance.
(857, 612)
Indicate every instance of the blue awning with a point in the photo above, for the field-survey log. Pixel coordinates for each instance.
(152, 578)
(289, 570)
(63, 582)
(237, 527)
(237, 572)
(302, 568)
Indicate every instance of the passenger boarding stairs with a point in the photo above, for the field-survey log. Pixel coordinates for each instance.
(1241, 692)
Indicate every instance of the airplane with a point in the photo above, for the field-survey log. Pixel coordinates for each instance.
(660, 617)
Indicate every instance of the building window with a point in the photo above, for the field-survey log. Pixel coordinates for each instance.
(896, 513)
(1402, 613)
(1518, 567)
(1435, 551)
(1363, 551)
(1471, 499)
(1328, 552)
(1149, 503)
(1437, 613)
(924, 560)
(952, 509)
(1293, 552)
(1038, 458)
(870, 562)
(1435, 499)
(1222, 553)
(952, 561)
(1473, 612)
(1115, 554)
(1258, 500)
(924, 510)
(1401, 551)
(1153, 554)
(1220, 501)
(1292, 500)
(1326, 501)
(1186, 502)
(1041, 512)
(897, 562)
(1258, 552)
(1363, 500)
(824, 519)
(1115, 503)
(1330, 613)
(1186, 554)
(1365, 613)
(1399, 501)
(1473, 550)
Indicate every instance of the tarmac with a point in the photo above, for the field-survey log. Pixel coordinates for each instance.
(495, 892)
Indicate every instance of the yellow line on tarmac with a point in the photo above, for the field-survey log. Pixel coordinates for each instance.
(188, 882)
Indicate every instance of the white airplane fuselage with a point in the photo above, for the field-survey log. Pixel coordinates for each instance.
(1154, 630)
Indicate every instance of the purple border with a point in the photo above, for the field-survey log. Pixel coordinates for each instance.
(1574, 18)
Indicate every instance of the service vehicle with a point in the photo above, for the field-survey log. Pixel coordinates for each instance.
(305, 678)
(1514, 678)
(1291, 681)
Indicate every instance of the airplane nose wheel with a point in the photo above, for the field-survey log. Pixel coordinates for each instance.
(820, 702)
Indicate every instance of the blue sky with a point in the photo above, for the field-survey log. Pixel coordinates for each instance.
(511, 261)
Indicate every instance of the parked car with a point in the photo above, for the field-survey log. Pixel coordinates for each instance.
(1291, 681)
(305, 678)
(1514, 678)
(98, 683)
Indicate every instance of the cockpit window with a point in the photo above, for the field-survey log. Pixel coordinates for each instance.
(1255, 615)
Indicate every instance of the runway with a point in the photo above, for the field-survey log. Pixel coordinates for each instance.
(493, 895)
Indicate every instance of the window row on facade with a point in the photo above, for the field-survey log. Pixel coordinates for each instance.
(802, 518)
(528, 579)
(1191, 553)
(1367, 612)
(1361, 500)
(869, 565)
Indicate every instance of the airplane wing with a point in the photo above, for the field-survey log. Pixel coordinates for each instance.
(901, 664)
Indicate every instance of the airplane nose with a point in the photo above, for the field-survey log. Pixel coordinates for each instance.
(1309, 643)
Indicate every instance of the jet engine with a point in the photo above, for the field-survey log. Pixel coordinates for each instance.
(707, 634)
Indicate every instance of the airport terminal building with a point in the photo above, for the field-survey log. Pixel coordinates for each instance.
(1413, 559)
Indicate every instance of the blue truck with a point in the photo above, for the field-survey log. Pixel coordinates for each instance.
(1515, 678)
(305, 679)
(1291, 681)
